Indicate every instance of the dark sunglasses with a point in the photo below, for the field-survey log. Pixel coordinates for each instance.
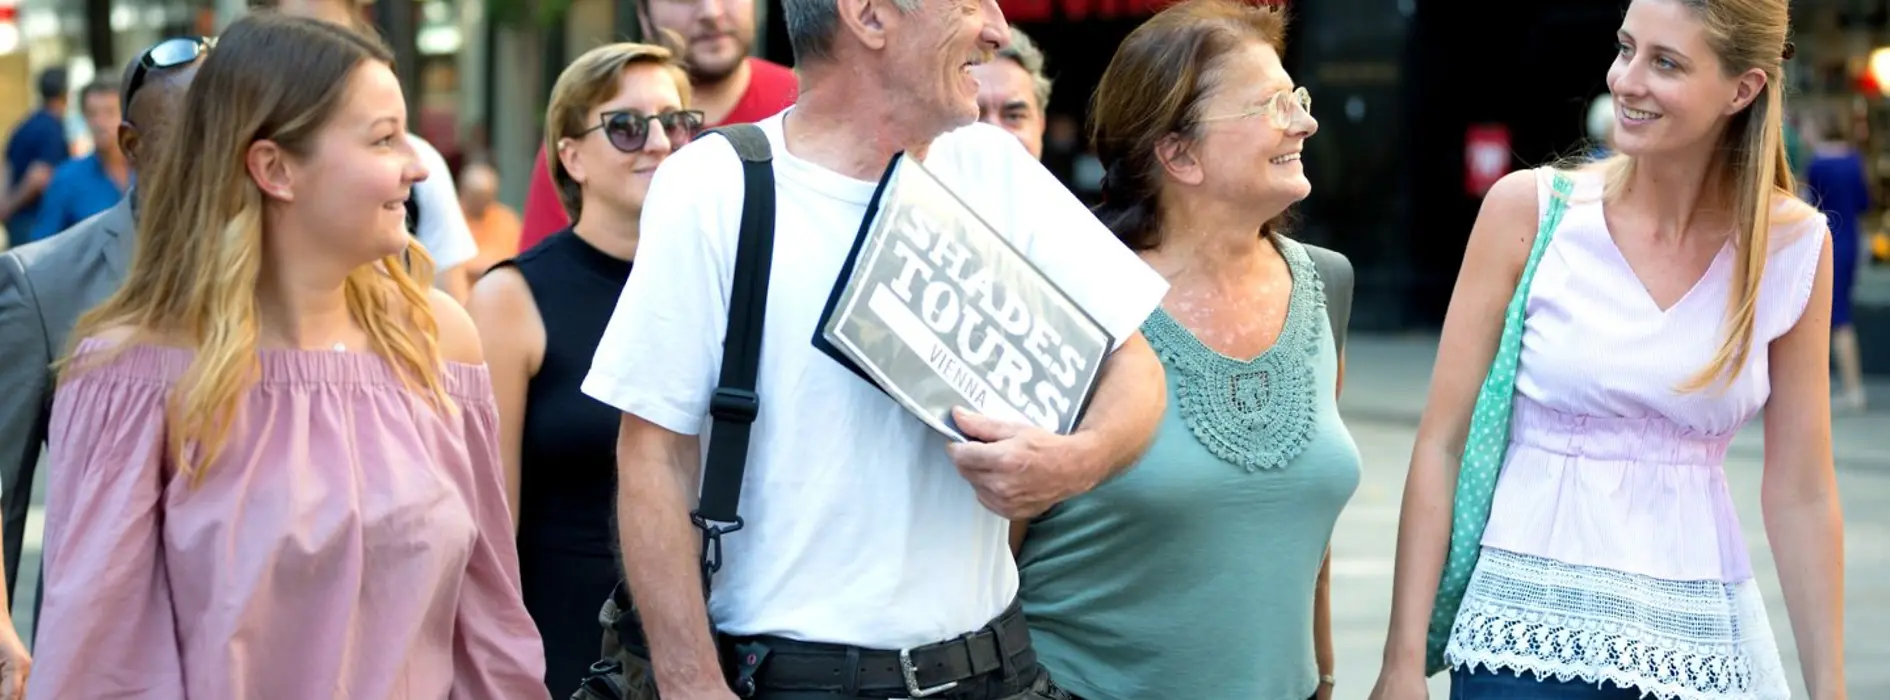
(169, 53)
(629, 131)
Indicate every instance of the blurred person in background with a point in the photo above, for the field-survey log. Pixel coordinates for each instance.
(441, 228)
(37, 146)
(271, 464)
(1202, 128)
(495, 226)
(616, 113)
(45, 285)
(1013, 92)
(86, 186)
(730, 86)
(1836, 183)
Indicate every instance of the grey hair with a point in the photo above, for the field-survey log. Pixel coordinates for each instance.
(1025, 53)
(811, 25)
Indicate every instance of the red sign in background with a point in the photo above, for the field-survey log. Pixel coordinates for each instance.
(1046, 10)
(1486, 157)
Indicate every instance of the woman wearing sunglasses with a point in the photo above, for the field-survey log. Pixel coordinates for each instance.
(616, 113)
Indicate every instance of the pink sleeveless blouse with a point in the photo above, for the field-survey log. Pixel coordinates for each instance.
(1613, 550)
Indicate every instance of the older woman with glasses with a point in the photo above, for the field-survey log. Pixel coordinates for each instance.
(1200, 573)
(616, 113)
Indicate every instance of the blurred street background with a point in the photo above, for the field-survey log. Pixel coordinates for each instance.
(1421, 103)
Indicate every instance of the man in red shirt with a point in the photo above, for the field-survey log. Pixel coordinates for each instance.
(730, 87)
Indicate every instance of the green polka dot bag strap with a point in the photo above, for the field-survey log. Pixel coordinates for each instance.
(1486, 444)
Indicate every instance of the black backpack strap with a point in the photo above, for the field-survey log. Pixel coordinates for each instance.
(735, 404)
(1335, 274)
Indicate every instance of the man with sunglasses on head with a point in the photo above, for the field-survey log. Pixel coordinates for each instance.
(713, 37)
(45, 285)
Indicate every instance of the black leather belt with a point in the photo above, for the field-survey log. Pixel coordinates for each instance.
(783, 664)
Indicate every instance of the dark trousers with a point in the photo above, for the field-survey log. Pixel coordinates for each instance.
(1038, 687)
(1061, 694)
(18, 497)
(1484, 684)
(995, 662)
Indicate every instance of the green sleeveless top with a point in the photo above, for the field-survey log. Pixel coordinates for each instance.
(1191, 575)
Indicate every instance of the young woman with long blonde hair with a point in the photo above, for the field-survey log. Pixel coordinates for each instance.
(1684, 290)
(274, 464)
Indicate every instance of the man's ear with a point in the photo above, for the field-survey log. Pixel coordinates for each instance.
(269, 168)
(128, 143)
(866, 20)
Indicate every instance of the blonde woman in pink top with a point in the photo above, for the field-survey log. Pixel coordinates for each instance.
(1684, 292)
(274, 466)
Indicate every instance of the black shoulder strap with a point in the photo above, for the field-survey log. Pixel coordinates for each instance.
(1335, 273)
(735, 404)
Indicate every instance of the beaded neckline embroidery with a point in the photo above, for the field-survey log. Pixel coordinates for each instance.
(1257, 414)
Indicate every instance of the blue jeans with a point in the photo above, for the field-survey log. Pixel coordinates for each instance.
(1485, 684)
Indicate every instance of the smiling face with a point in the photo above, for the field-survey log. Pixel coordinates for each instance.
(931, 53)
(1241, 151)
(614, 182)
(1007, 99)
(1671, 91)
(348, 193)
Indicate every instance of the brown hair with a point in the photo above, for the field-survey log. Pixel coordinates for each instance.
(589, 81)
(1154, 87)
(194, 270)
(1755, 177)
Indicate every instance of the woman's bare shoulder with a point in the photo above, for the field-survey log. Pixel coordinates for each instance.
(458, 337)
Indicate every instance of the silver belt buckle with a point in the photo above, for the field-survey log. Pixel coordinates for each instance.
(911, 673)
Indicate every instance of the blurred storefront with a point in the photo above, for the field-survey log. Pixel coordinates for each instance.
(40, 34)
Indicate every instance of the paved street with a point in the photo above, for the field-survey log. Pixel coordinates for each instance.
(1386, 381)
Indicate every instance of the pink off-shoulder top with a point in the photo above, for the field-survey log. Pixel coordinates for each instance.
(349, 542)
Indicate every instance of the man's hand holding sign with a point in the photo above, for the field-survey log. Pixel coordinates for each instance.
(960, 329)
(1020, 470)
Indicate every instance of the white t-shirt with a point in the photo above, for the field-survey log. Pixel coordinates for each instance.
(443, 228)
(859, 529)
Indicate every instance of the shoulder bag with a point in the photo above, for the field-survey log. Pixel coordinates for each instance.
(1487, 443)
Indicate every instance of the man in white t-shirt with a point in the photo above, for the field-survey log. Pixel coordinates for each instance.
(865, 533)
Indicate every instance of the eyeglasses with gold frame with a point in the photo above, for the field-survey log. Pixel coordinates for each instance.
(1280, 109)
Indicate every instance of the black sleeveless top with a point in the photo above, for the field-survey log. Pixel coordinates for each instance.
(567, 459)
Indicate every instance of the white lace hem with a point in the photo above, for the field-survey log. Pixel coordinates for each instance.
(1674, 640)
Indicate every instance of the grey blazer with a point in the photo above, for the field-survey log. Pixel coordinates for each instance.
(44, 287)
